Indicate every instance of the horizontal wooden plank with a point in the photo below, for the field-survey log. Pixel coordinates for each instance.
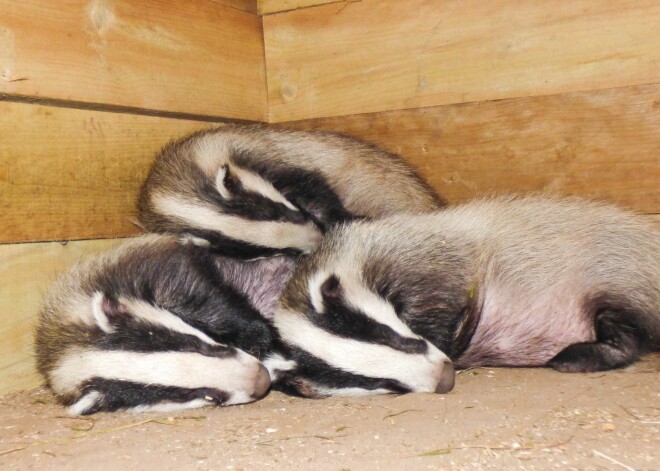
(196, 57)
(602, 144)
(266, 7)
(26, 272)
(369, 56)
(75, 174)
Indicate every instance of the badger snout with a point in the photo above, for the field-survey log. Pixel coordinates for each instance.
(446, 376)
(262, 382)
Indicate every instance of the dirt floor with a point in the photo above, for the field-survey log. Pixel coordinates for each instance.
(493, 419)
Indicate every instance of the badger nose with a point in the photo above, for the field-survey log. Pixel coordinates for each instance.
(262, 383)
(447, 377)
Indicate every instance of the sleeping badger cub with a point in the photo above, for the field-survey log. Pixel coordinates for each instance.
(156, 325)
(392, 305)
(250, 191)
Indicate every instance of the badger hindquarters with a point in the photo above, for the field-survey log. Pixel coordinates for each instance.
(250, 191)
(152, 325)
(527, 281)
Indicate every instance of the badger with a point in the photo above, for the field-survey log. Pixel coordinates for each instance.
(155, 325)
(249, 191)
(395, 305)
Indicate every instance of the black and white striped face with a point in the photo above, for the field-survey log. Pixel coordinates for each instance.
(240, 214)
(142, 358)
(342, 339)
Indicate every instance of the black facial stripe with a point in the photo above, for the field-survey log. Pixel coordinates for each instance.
(219, 309)
(306, 189)
(250, 205)
(437, 306)
(135, 336)
(320, 373)
(226, 246)
(309, 191)
(125, 394)
(347, 322)
(181, 279)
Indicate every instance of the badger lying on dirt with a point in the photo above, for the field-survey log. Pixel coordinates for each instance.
(156, 325)
(384, 306)
(250, 191)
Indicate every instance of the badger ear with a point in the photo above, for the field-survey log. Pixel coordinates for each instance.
(107, 311)
(278, 366)
(189, 239)
(322, 291)
(226, 182)
(86, 404)
(331, 288)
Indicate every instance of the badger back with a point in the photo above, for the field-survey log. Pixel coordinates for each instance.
(251, 191)
(150, 326)
(504, 281)
(558, 275)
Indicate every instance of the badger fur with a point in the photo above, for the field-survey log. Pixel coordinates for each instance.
(156, 325)
(251, 191)
(507, 281)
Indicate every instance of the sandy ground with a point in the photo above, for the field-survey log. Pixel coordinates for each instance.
(493, 419)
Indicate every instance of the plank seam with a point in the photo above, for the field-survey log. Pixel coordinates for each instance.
(493, 100)
(122, 109)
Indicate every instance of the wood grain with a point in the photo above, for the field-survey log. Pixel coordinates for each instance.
(266, 7)
(369, 56)
(74, 174)
(26, 272)
(602, 144)
(196, 57)
(245, 5)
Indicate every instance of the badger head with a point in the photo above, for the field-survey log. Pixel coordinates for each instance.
(137, 357)
(197, 189)
(337, 337)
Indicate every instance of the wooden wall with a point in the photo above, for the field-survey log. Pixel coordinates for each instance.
(188, 57)
(372, 55)
(89, 91)
(483, 97)
(601, 144)
(26, 272)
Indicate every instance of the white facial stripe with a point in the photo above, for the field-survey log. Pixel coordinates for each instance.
(277, 364)
(211, 152)
(265, 233)
(374, 306)
(418, 372)
(314, 287)
(83, 404)
(184, 370)
(239, 397)
(170, 406)
(160, 317)
(253, 182)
